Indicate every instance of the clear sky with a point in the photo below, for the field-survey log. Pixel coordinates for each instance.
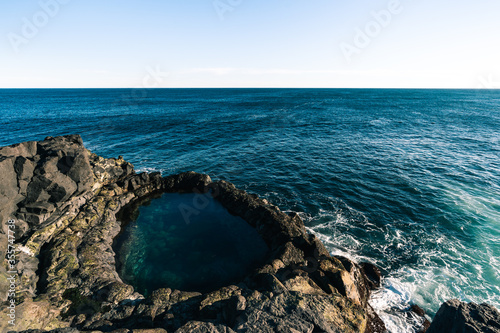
(250, 43)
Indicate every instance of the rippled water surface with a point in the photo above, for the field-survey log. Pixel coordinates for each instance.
(406, 179)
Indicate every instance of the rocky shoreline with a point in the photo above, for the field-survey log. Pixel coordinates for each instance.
(64, 201)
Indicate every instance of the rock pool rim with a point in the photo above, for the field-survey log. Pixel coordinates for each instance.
(284, 234)
(200, 213)
(296, 258)
(198, 184)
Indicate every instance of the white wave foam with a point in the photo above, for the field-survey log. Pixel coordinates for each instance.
(150, 170)
(424, 264)
(392, 303)
(380, 122)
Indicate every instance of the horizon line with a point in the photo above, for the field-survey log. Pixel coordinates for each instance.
(165, 88)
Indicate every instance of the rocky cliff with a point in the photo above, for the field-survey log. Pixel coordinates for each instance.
(63, 202)
(59, 205)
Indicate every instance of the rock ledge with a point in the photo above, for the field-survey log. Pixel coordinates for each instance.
(65, 199)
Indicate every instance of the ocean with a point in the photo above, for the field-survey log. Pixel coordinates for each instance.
(406, 179)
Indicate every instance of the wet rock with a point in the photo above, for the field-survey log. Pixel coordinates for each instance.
(372, 274)
(456, 317)
(375, 323)
(418, 311)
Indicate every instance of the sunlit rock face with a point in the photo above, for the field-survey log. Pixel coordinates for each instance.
(186, 242)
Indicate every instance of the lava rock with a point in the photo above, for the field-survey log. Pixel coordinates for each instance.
(373, 275)
(417, 310)
(458, 317)
(68, 203)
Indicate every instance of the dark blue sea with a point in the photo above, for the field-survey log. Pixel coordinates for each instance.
(406, 179)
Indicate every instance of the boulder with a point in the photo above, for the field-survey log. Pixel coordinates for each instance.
(455, 316)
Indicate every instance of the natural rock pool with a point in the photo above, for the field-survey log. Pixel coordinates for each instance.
(188, 242)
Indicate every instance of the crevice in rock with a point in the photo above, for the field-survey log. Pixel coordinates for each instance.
(41, 272)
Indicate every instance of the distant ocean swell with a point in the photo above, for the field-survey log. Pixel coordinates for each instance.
(405, 179)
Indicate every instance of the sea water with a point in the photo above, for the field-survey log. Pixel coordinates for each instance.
(406, 179)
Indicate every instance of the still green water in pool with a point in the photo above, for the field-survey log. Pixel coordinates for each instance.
(187, 242)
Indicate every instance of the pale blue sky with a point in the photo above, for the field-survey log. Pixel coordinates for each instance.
(281, 43)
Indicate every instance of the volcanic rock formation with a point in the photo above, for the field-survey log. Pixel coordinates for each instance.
(63, 202)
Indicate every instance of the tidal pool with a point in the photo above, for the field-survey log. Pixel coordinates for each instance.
(188, 242)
